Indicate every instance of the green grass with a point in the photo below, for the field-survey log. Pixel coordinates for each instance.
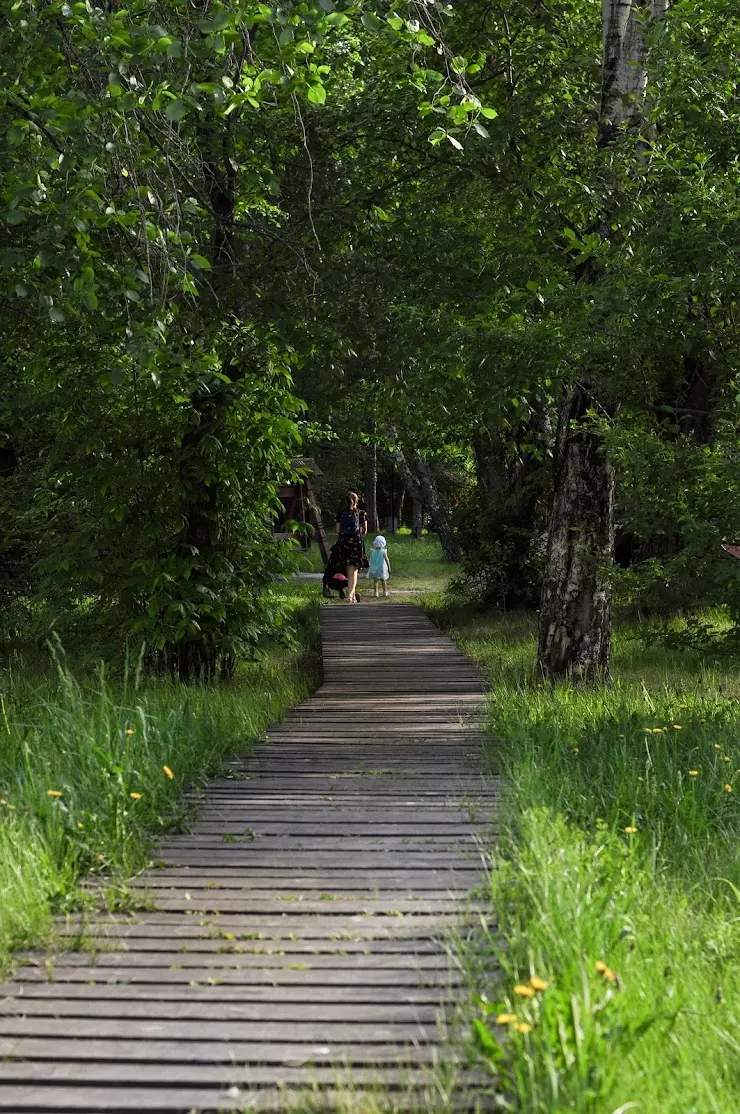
(657, 1030)
(417, 564)
(84, 781)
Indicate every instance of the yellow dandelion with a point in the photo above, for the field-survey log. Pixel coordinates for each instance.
(2, 802)
(505, 1018)
(524, 991)
(129, 731)
(522, 1027)
(630, 830)
(693, 773)
(726, 758)
(11, 808)
(676, 727)
(101, 858)
(605, 971)
(54, 793)
(728, 788)
(80, 824)
(168, 772)
(135, 796)
(717, 746)
(574, 750)
(537, 983)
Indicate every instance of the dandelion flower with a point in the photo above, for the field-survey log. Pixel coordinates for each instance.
(717, 746)
(54, 793)
(524, 991)
(129, 731)
(728, 788)
(80, 824)
(2, 802)
(630, 830)
(676, 727)
(574, 750)
(505, 1018)
(537, 983)
(726, 758)
(523, 1027)
(693, 773)
(101, 858)
(605, 971)
(168, 772)
(135, 796)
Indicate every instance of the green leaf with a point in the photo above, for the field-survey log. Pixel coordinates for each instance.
(455, 142)
(489, 113)
(200, 262)
(482, 130)
(371, 21)
(176, 110)
(316, 94)
(286, 36)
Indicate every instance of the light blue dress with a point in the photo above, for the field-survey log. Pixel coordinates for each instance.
(378, 569)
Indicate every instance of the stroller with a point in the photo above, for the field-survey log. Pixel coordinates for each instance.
(335, 576)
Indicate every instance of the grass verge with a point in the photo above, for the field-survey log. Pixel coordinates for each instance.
(417, 564)
(92, 772)
(616, 889)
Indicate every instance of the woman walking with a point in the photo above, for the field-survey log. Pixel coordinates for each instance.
(351, 528)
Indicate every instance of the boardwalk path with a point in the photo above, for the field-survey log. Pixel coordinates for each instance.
(296, 926)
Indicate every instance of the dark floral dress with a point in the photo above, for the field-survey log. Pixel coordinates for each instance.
(351, 547)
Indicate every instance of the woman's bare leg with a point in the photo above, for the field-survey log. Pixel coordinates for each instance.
(351, 583)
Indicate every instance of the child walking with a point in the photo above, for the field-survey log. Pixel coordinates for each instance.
(380, 566)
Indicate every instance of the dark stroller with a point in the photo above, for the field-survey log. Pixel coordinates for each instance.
(335, 576)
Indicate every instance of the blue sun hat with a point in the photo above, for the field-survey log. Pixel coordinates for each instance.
(379, 542)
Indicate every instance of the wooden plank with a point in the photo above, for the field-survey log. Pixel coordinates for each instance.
(296, 1014)
(265, 975)
(212, 1052)
(131, 1028)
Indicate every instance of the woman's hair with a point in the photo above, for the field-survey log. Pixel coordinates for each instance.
(351, 500)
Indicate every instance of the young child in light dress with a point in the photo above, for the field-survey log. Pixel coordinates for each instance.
(380, 566)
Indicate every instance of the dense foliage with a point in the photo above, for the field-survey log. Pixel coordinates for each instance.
(425, 239)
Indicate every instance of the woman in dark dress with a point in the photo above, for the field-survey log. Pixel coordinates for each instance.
(351, 528)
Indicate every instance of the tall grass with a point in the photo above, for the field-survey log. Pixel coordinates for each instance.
(617, 883)
(93, 771)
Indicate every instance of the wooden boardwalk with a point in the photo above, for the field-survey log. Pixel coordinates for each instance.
(290, 941)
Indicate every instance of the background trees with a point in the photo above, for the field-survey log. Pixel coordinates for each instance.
(491, 254)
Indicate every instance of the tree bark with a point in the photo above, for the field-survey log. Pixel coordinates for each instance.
(417, 517)
(575, 614)
(371, 487)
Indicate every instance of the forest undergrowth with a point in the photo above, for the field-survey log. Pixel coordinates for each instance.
(93, 768)
(614, 889)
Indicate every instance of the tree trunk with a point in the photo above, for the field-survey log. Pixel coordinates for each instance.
(398, 505)
(417, 517)
(575, 615)
(371, 487)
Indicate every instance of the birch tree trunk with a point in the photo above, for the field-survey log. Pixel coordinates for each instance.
(421, 485)
(371, 487)
(417, 517)
(575, 613)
